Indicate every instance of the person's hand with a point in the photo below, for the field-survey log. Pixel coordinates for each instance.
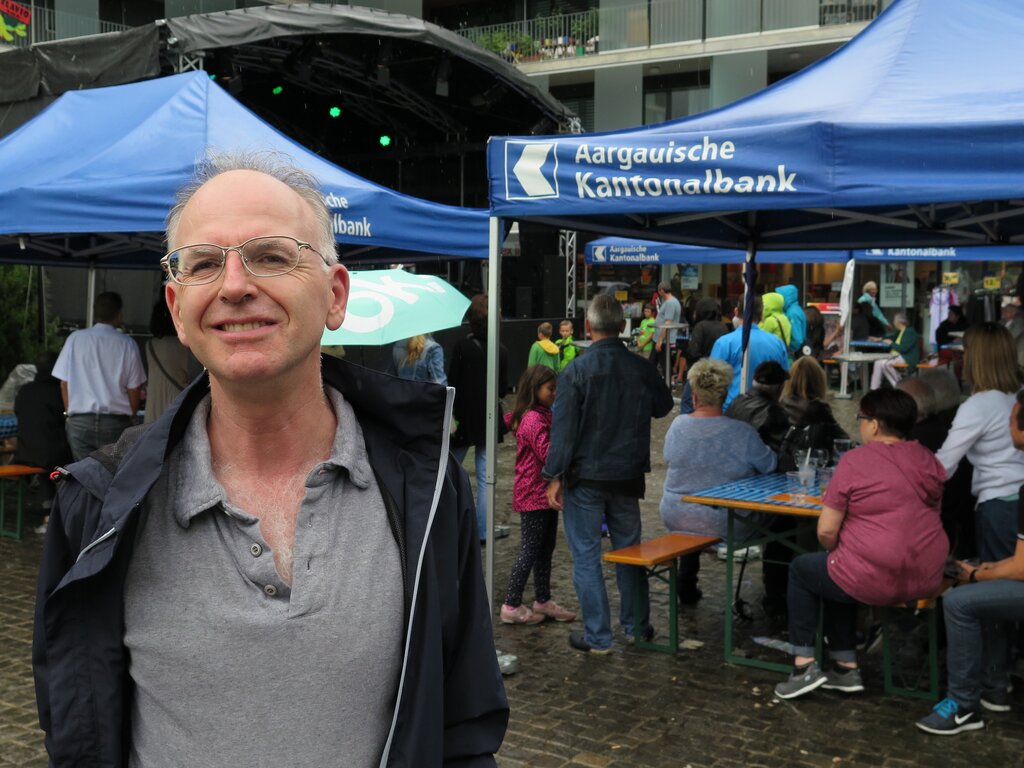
(966, 569)
(657, 346)
(555, 494)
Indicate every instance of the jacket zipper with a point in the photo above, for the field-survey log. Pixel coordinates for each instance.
(438, 482)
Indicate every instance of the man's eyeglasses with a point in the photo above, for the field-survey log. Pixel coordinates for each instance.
(203, 263)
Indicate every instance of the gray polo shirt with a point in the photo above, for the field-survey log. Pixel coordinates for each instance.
(232, 666)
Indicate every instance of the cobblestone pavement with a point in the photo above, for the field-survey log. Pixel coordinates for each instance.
(633, 709)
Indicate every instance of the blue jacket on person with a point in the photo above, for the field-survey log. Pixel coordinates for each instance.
(604, 404)
(450, 705)
(763, 347)
(796, 315)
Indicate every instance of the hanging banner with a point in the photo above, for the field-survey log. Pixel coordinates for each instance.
(689, 275)
(16, 10)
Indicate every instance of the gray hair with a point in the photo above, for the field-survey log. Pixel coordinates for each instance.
(900, 317)
(945, 388)
(710, 379)
(923, 395)
(275, 164)
(666, 287)
(605, 315)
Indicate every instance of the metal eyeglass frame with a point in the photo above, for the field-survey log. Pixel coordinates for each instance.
(165, 262)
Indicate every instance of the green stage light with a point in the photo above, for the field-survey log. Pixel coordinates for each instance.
(335, 111)
(277, 90)
(213, 77)
(385, 140)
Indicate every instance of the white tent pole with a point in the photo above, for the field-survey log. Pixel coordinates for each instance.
(747, 289)
(848, 304)
(90, 296)
(491, 399)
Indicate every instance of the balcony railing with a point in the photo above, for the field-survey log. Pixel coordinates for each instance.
(660, 22)
(48, 24)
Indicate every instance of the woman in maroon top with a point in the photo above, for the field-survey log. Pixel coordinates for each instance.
(884, 542)
(530, 421)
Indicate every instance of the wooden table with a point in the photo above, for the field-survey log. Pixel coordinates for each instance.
(760, 493)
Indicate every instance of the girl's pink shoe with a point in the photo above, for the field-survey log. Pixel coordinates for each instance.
(520, 615)
(553, 610)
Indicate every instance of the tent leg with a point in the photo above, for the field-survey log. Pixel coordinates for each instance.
(493, 340)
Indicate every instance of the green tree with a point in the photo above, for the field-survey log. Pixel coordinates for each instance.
(19, 318)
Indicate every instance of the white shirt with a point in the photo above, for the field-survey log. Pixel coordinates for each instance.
(981, 431)
(100, 365)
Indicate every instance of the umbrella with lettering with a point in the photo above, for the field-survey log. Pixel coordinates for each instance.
(391, 304)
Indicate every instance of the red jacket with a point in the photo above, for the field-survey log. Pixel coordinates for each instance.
(533, 437)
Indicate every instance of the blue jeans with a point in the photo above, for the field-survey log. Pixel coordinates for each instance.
(481, 483)
(995, 528)
(582, 513)
(809, 585)
(686, 400)
(977, 645)
(88, 432)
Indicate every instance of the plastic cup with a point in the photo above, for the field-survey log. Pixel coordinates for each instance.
(806, 475)
(824, 478)
(840, 446)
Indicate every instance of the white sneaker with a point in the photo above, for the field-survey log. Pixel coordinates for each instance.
(750, 553)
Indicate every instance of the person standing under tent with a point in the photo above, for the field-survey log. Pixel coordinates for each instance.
(762, 347)
(600, 451)
(669, 312)
(797, 318)
(870, 296)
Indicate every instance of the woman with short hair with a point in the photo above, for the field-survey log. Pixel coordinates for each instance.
(884, 544)
(692, 467)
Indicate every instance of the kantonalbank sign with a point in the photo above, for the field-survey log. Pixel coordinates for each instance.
(670, 169)
(344, 223)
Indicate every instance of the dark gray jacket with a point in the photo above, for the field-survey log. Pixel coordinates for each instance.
(604, 404)
(451, 707)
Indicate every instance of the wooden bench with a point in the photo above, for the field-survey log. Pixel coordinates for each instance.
(19, 474)
(928, 607)
(925, 365)
(659, 557)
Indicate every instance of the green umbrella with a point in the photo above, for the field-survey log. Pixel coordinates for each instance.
(390, 304)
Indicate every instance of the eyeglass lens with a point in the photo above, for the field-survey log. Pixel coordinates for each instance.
(262, 256)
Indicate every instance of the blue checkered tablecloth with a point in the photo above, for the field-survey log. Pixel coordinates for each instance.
(8, 425)
(759, 489)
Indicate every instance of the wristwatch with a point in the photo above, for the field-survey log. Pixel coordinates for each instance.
(973, 578)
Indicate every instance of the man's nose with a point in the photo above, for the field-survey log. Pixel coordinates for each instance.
(236, 281)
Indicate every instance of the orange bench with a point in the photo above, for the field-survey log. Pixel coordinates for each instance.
(19, 473)
(926, 365)
(658, 557)
(929, 608)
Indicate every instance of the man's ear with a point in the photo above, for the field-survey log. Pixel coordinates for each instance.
(171, 297)
(339, 287)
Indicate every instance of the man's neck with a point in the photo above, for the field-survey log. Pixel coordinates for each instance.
(280, 432)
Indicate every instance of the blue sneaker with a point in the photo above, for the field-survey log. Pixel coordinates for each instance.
(948, 719)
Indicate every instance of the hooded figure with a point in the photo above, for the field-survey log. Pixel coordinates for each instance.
(795, 314)
(707, 329)
(774, 320)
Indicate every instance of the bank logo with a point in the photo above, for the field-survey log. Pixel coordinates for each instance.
(600, 253)
(875, 252)
(531, 170)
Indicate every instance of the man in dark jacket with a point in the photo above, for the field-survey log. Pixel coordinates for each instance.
(283, 569)
(600, 451)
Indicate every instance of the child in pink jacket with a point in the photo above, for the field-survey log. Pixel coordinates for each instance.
(530, 422)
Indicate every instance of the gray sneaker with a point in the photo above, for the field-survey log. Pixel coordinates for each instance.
(800, 683)
(847, 681)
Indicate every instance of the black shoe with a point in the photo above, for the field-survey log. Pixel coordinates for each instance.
(578, 641)
(689, 596)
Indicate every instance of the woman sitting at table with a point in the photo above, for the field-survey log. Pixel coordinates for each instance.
(812, 424)
(904, 348)
(883, 541)
(692, 466)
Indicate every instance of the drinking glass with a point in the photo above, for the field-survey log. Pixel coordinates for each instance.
(840, 446)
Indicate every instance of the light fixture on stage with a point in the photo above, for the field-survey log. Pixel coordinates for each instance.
(334, 111)
(385, 140)
(277, 90)
(444, 71)
(382, 64)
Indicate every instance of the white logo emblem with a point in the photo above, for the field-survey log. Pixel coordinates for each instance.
(533, 170)
(961, 719)
(599, 253)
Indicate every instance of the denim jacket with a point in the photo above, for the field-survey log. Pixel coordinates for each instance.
(603, 408)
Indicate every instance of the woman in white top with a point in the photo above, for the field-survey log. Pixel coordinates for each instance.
(979, 432)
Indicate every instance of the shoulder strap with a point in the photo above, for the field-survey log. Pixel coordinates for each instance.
(152, 350)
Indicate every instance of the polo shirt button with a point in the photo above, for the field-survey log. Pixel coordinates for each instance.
(256, 550)
(270, 589)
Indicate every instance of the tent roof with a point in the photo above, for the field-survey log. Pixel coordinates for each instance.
(621, 250)
(109, 160)
(912, 133)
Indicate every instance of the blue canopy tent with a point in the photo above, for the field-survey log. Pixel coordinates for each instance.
(910, 135)
(90, 180)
